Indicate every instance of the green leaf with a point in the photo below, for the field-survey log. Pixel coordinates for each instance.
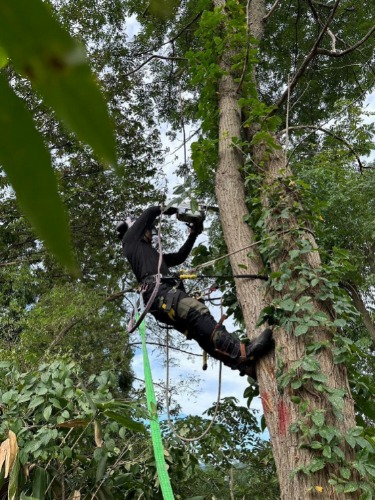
(318, 418)
(316, 445)
(350, 487)
(337, 401)
(310, 364)
(295, 399)
(328, 433)
(125, 421)
(321, 317)
(40, 480)
(345, 472)
(14, 480)
(370, 469)
(356, 431)
(316, 465)
(43, 51)
(338, 451)
(360, 468)
(319, 377)
(339, 322)
(301, 330)
(287, 305)
(36, 402)
(67, 452)
(100, 470)
(296, 384)
(294, 254)
(47, 412)
(363, 443)
(3, 57)
(28, 168)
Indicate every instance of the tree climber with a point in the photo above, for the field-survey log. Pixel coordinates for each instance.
(173, 306)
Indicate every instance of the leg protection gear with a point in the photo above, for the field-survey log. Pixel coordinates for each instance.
(224, 346)
(240, 356)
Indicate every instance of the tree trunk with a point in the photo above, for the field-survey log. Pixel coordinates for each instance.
(280, 412)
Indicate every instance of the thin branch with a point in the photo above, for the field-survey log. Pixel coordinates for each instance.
(270, 12)
(158, 344)
(187, 140)
(335, 115)
(361, 308)
(14, 263)
(341, 53)
(154, 56)
(328, 132)
(247, 46)
(301, 70)
(63, 332)
(317, 18)
(174, 38)
(118, 295)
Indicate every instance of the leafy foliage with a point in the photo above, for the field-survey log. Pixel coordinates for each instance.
(61, 422)
(55, 64)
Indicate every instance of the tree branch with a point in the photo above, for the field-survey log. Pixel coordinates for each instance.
(117, 295)
(158, 344)
(154, 56)
(301, 70)
(63, 332)
(361, 308)
(332, 53)
(330, 33)
(174, 38)
(247, 46)
(328, 132)
(270, 12)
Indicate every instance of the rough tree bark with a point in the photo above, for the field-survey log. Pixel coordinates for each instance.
(279, 410)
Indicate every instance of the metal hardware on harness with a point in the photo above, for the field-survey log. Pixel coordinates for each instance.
(170, 302)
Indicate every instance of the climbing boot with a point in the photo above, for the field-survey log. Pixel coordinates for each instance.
(262, 345)
(238, 355)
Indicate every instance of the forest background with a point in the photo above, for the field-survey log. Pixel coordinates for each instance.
(296, 79)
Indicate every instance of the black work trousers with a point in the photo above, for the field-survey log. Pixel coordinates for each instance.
(186, 315)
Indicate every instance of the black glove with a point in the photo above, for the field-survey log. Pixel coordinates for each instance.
(170, 211)
(196, 228)
(121, 229)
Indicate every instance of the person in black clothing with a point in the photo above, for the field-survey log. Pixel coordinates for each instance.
(173, 306)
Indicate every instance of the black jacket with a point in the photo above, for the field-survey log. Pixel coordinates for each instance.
(143, 258)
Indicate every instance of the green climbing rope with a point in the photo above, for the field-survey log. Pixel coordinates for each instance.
(154, 422)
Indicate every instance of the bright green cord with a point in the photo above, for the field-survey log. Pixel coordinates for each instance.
(157, 443)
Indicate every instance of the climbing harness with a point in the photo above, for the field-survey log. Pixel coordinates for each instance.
(157, 442)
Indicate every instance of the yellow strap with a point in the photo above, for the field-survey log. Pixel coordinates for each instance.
(188, 276)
